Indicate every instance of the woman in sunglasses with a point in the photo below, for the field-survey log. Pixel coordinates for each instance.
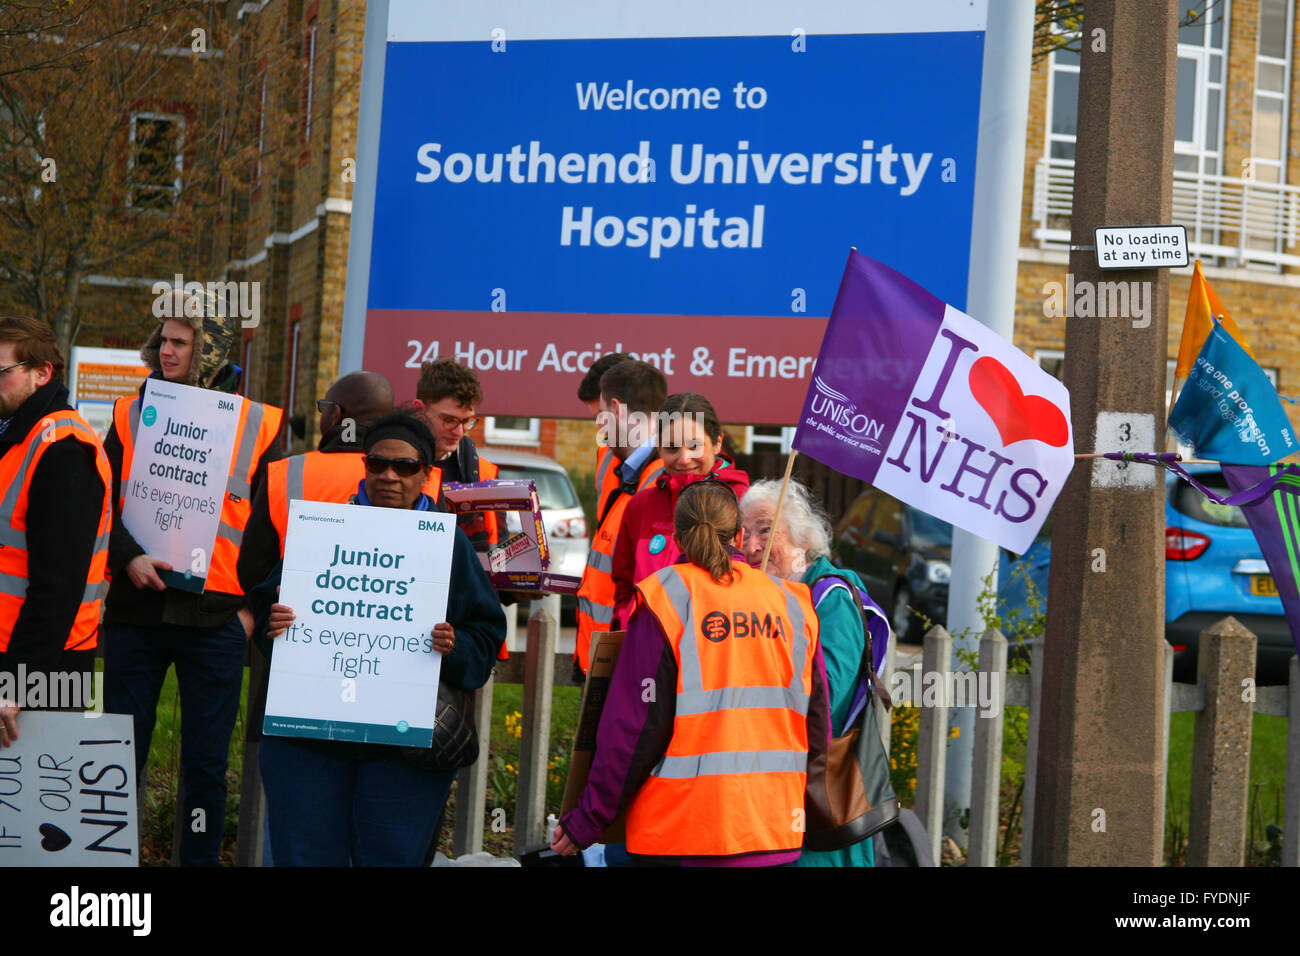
(333, 803)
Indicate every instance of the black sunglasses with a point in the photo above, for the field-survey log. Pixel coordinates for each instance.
(404, 467)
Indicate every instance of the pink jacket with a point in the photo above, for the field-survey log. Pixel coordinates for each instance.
(645, 538)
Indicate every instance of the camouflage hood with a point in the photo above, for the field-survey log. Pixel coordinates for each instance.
(213, 336)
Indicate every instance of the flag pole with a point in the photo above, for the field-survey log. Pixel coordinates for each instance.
(776, 518)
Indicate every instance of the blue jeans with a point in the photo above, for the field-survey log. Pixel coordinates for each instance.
(209, 672)
(324, 810)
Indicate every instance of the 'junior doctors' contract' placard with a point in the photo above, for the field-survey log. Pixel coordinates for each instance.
(174, 493)
(367, 585)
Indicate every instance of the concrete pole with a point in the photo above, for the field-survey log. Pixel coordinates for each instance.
(535, 745)
(991, 300)
(1101, 775)
(1216, 826)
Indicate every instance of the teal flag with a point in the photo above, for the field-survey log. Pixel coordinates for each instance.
(1229, 411)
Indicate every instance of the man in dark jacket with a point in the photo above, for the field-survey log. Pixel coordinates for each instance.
(64, 506)
(349, 407)
(149, 626)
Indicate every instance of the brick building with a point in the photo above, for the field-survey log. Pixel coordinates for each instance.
(1237, 149)
(1237, 158)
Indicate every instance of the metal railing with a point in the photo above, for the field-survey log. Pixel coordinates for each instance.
(1243, 222)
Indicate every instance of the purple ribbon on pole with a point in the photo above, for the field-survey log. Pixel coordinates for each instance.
(1287, 480)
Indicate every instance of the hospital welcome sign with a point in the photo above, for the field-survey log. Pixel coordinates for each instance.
(679, 181)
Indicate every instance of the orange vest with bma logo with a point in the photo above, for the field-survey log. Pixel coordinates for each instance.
(733, 777)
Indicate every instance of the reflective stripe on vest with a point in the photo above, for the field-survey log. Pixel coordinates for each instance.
(257, 433)
(16, 471)
(743, 745)
(596, 593)
(735, 761)
(605, 473)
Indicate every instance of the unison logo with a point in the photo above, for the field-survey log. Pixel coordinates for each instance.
(836, 408)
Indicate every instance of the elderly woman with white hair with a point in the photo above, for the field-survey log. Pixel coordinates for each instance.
(801, 552)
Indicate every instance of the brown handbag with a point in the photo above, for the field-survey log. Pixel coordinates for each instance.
(861, 795)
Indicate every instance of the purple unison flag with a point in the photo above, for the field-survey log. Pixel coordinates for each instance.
(1276, 523)
(934, 408)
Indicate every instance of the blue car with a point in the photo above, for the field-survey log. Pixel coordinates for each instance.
(1213, 568)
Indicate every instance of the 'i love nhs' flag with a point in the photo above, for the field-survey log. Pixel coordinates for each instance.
(937, 410)
(1229, 411)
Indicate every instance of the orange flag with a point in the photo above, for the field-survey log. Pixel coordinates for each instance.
(1197, 323)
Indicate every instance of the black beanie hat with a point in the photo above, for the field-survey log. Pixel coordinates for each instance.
(404, 427)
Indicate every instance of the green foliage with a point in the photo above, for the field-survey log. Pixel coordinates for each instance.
(584, 485)
(1019, 627)
(1267, 789)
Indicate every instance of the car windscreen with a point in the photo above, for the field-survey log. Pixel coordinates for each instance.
(929, 530)
(1188, 501)
(554, 489)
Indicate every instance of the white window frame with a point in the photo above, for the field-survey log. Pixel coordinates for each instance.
(1256, 161)
(261, 134)
(293, 379)
(1054, 67)
(179, 160)
(784, 440)
(1050, 355)
(311, 75)
(532, 435)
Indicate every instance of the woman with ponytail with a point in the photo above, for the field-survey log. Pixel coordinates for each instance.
(715, 729)
(693, 446)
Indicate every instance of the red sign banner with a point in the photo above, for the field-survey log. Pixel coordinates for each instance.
(754, 369)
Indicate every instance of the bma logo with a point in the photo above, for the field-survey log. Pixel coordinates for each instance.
(430, 525)
(836, 407)
(715, 626)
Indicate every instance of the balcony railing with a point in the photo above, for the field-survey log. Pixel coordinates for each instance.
(1234, 221)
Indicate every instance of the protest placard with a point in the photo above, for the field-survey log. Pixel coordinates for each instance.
(67, 792)
(367, 586)
(521, 560)
(173, 494)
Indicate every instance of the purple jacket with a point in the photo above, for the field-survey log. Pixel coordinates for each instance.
(634, 734)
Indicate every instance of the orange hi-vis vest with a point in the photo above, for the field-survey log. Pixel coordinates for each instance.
(733, 777)
(480, 522)
(16, 470)
(606, 472)
(320, 476)
(255, 434)
(596, 592)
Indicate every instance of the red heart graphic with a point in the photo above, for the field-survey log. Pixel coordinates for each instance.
(1018, 416)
